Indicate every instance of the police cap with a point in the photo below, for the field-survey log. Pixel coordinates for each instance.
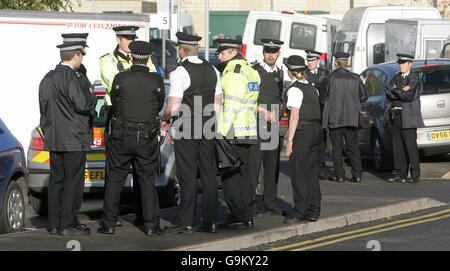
(223, 44)
(295, 63)
(185, 38)
(312, 55)
(73, 46)
(127, 31)
(140, 49)
(404, 58)
(341, 55)
(75, 37)
(271, 45)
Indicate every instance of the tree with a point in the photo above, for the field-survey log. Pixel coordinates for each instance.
(49, 5)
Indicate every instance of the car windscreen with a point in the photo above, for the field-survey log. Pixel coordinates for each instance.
(435, 80)
(100, 113)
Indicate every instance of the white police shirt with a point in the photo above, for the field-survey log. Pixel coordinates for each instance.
(295, 95)
(268, 68)
(180, 80)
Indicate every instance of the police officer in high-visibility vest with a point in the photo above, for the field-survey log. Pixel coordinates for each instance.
(316, 76)
(266, 154)
(111, 64)
(119, 60)
(137, 97)
(237, 122)
(304, 137)
(194, 86)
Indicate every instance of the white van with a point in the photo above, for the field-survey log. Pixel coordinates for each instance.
(299, 32)
(445, 53)
(421, 38)
(361, 32)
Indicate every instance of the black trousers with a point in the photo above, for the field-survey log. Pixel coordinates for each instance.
(196, 158)
(66, 177)
(270, 160)
(140, 153)
(404, 146)
(304, 179)
(236, 188)
(351, 148)
(321, 154)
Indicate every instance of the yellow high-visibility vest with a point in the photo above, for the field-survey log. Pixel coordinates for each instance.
(240, 84)
(110, 65)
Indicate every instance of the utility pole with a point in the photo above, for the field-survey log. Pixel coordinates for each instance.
(271, 5)
(207, 30)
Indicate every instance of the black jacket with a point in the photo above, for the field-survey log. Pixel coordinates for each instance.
(344, 93)
(65, 109)
(409, 100)
(318, 80)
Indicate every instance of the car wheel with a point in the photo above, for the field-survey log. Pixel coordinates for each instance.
(39, 204)
(381, 160)
(13, 212)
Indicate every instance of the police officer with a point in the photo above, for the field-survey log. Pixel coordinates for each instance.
(119, 60)
(111, 64)
(404, 92)
(316, 76)
(268, 156)
(344, 93)
(137, 96)
(64, 104)
(194, 85)
(304, 136)
(237, 122)
(88, 88)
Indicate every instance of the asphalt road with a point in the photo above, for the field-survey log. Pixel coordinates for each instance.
(427, 230)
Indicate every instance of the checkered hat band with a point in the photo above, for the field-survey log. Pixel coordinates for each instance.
(312, 56)
(274, 45)
(190, 42)
(140, 56)
(68, 40)
(72, 48)
(126, 32)
(233, 45)
(294, 67)
(405, 59)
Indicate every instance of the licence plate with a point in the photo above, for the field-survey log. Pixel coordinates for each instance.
(94, 175)
(439, 135)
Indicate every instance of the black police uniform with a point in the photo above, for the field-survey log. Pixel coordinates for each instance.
(87, 87)
(271, 88)
(406, 117)
(344, 94)
(195, 153)
(317, 78)
(65, 108)
(137, 97)
(305, 147)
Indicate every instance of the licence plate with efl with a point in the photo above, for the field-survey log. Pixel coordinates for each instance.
(94, 175)
(441, 135)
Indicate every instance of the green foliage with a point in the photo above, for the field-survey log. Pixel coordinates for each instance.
(49, 5)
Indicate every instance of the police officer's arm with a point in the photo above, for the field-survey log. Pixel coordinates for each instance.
(363, 92)
(162, 93)
(81, 104)
(392, 88)
(411, 91)
(45, 88)
(293, 122)
(218, 95)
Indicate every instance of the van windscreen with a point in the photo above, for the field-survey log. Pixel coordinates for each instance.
(267, 29)
(303, 36)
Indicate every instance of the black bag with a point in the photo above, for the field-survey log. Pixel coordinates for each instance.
(226, 156)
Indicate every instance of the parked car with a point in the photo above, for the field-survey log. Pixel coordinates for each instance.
(13, 182)
(375, 139)
(39, 168)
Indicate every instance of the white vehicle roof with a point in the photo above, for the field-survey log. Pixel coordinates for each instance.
(322, 18)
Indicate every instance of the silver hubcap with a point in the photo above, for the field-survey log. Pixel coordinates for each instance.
(15, 210)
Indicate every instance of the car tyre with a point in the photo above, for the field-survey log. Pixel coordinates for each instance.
(39, 204)
(381, 160)
(12, 218)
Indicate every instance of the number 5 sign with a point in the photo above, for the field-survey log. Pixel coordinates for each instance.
(164, 10)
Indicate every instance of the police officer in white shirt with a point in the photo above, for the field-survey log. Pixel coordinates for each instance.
(304, 137)
(194, 102)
